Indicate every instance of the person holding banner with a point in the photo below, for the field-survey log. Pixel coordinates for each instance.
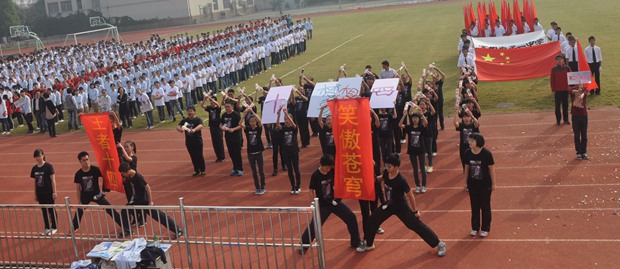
(467, 126)
(87, 180)
(45, 190)
(480, 178)
(415, 128)
(290, 149)
(579, 112)
(253, 132)
(192, 127)
(326, 135)
(229, 124)
(142, 196)
(322, 187)
(559, 87)
(215, 112)
(400, 202)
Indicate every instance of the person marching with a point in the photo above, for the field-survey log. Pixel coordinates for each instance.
(45, 190)
(192, 127)
(467, 126)
(397, 193)
(87, 185)
(229, 124)
(322, 187)
(253, 132)
(480, 178)
(290, 149)
(214, 110)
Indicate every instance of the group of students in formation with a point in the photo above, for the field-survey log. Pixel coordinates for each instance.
(135, 79)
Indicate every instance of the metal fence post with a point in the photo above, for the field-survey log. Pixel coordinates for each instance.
(70, 221)
(184, 228)
(319, 233)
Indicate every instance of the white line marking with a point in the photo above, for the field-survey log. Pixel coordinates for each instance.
(527, 240)
(321, 56)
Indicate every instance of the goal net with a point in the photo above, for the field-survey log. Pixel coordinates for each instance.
(92, 36)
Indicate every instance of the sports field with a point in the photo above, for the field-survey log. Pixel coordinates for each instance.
(550, 211)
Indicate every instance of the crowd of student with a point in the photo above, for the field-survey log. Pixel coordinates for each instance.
(132, 79)
(415, 123)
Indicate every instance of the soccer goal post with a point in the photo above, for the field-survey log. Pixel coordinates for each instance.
(93, 35)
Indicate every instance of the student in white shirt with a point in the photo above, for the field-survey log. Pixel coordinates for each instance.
(158, 94)
(594, 57)
(173, 95)
(146, 107)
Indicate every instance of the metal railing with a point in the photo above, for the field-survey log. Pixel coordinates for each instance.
(213, 237)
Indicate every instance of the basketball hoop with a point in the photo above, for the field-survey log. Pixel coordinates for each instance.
(97, 21)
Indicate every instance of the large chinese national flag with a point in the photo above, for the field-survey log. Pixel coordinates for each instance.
(516, 64)
(354, 170)
(99, 130)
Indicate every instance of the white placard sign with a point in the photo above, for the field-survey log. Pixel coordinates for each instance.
(383, 93)
(582, 77)
(277, 96)
(323, 91)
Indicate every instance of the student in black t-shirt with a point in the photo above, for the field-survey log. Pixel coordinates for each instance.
(400, 202)
(480, 177)
(253, 132)
(45, 190)
(385, 130)
(129, 156)
(229, 124)
(322, 187)
(142, 197)
(192, 127)
(427, 109)
(415, 129)
(367, 207)
(326, 135)
(215, 110)
(290, 149)
(87, 183)
(301, 117)
(467, 126)
(438, 79)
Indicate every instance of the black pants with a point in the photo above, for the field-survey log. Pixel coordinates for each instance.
(376, 154)
(386, 146)
(439, 110)
(480, 200)
(133, 108)
(405, 214)
(574, 66)
(417, 160)
(28, 118)
(195, 153)
(580, 131)
(217, 142)
(169, 109)
(277, 149)
(234, 150)
(101, 201)
(49, 214)
(267, 128)
(257, 163)
(304, 131)
(160, 113)
(314, 126)
(561, 99)
(51, 126)
(397, 136)
(155, 214)
(125, 116)
(367, 207)
(60, 115)
(428, 144)
(291, 160)
(341, 211)
(596, 71)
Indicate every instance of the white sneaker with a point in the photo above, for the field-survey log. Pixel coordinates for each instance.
(52, 231)
(364, 247)
(441, 249)
(380, 231)
(402, 141)
(21, 125)
(62, 120)
(434, 154)
(473, 233)
(484, 234)
(417, 189)
(44, 232)
(423, 189)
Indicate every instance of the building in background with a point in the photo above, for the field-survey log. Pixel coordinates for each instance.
(151, 9)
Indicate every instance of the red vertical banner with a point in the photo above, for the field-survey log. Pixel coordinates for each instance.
(354, 170)
(516, 16)
(99, 130)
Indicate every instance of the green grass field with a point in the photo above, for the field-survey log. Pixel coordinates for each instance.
(421, 34)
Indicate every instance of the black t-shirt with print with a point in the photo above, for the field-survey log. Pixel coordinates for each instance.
(326, 136)
(385, 127)
(395, 190)
(253, 136)
(478, 173)
(43, 179)
(289, 135)
(323, 186)
(138, 186)
(414, 135)
(231, 121)
(195, 137)
(464, 131)
(432, 124)
(214, 115)
(89, 181)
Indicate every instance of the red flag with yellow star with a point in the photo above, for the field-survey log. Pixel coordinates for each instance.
(516, 64)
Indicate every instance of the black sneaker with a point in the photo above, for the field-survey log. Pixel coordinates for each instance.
(177, 235)
(124, 233)
(302, 250)
(275, 172)
(196, 173)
